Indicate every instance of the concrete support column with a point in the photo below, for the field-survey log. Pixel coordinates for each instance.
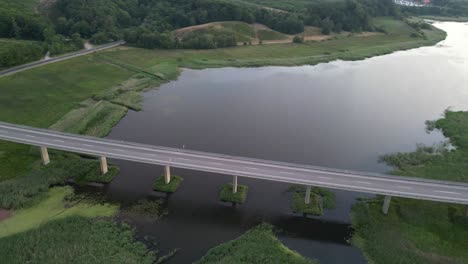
(307, 195)
(45, 156)
(234, 184)
(386, 204)
(167, 174)
(104, 168)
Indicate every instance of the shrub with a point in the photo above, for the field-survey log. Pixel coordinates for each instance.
(298, 39)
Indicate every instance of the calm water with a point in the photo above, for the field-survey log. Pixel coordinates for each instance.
(338, 114)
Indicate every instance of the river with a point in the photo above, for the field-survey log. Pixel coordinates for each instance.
(338, 114)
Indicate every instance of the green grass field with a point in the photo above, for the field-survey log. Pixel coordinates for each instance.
(393, 26)
(258, 245)
(419, 231)
(52, 208)
(41, 96)
(270, 35)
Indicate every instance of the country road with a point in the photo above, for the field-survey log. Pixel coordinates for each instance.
(31, 65)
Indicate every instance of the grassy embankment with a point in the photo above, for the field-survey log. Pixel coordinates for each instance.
(420, 231)
(258, 245)
(288, 54)
(446, 18)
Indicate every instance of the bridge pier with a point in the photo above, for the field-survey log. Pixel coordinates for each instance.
(307, 195)
(45, 156)
(104, 168)
(167, 174)
(386, 204)
(234, 184)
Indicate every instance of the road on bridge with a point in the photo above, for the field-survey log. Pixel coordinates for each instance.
(443, 191)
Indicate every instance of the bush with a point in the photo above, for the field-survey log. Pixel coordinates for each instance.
(314, 207)
(161, 186)
(226, 194)
(298, 39)
(15, 52)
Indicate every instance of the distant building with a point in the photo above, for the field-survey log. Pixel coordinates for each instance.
(413, 3)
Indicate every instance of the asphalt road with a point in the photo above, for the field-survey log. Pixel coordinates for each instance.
(443, 191)
(27, 66)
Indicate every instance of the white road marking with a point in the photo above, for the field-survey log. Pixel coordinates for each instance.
(363, 182)
(447, 192)
(326, 178)
(285, 172)
(121, 150)
(30, 136)
(89, 146)
(58, 140)
(216, 163)
(250, 168)
(404, 187)
(183, 159)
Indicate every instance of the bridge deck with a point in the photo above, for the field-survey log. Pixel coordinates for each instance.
(443, 191)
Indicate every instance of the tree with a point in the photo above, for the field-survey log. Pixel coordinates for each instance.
(298, 39)
(16, 29)
(327, 26)
(77, 41)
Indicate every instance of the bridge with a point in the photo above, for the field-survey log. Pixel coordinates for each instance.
(408, 187)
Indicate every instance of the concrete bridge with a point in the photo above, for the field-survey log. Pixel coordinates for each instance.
(408, 187)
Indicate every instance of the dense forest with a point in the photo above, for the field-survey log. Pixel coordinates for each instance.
(19, 21)
(149, 23)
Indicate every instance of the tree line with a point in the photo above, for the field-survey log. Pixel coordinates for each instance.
(350, 15)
